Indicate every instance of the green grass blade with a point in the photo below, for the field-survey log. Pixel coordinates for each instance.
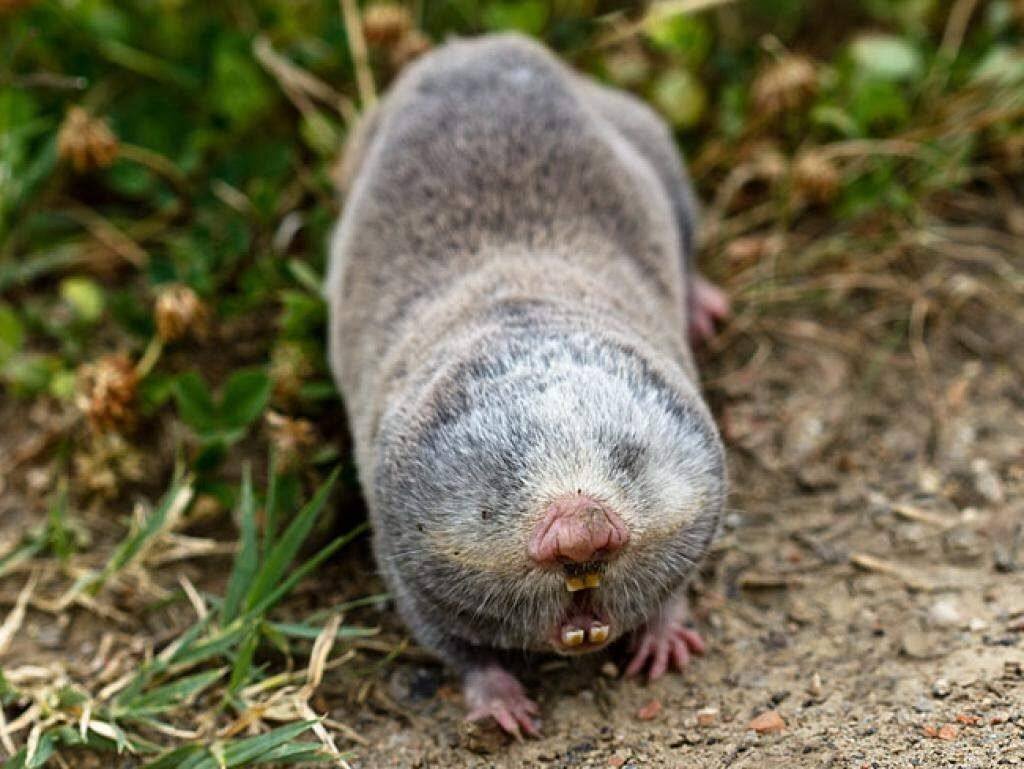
(168, 696)
(241, 669)
(298, 574)
(176, 758)
(270, 508)
(25, 551)
(306, 753)
(178, 495)
(283, 553)
(311, 632)
(247, 561)
(218, 644)
(251, 749)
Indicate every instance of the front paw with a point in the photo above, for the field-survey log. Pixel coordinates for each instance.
(493, 692)
(665, 642)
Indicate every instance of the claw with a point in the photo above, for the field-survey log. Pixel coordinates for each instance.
(665, 644)
(492, 692)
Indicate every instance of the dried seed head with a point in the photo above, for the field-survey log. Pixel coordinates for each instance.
(750, 249)
(411, 45)
(290, 366)
(179, 312)
(86, 142)
(785, 85)
(815, 177)
(106, 392)
(764, 158)
(628, 66)
(105, 462)
(386, 23)
(291, 437)
(1010, 150)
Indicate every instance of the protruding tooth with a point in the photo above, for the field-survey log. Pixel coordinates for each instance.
(572, 636)
(599, 634)
(572, 584)
(592, 580)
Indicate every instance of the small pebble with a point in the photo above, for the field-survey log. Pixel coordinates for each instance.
(707, 716)
(610, 670)
(941, 688)
(924, 706)
(977, 624)
(768, 722)
(814, 689)
(948, 732)
(944, 613)
(649, 711)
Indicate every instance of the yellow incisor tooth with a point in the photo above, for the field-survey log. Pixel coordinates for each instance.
(599, 634)
(572, 584)
(573, 637)
(592, 580)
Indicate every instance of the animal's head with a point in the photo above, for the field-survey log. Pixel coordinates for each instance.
(547, 492)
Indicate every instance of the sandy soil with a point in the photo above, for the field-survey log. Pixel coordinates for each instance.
(867, 587)
(864, 590)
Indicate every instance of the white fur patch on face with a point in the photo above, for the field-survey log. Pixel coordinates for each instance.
(671, 484)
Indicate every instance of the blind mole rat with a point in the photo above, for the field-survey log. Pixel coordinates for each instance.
(510, 296)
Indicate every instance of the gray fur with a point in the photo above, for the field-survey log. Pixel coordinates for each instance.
(507, 298)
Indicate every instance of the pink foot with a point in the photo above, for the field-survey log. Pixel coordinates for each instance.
(493, 692)
(665, 642)
(707, 305)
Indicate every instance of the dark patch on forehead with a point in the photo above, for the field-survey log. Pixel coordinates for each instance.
(627, 458)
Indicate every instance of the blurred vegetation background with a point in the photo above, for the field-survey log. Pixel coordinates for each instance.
(166, 194)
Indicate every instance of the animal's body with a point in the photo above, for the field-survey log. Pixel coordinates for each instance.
(510, 295)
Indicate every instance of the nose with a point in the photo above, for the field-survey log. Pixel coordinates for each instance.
(577, 528)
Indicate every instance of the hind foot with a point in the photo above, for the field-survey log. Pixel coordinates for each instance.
(708, 305)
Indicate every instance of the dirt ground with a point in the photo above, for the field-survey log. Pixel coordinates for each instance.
(867, 587)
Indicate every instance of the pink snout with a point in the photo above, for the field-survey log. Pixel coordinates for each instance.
(577, 528)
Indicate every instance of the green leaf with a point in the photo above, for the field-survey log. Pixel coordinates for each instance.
(283, 553)
(247, 560)
(85, 297)
(528, 16)
(240, 91)
(245, 396)
(688, 37)
(12, 334)
(879, 105)
(176, 758)
(195, 404)
(168, 696)
(680, 97)
(305, 275)
(214, 646)
(886, 57)
(179, 493)
(155, 390)
(301, 314)
(241, 669)
(311, 632)
(240, 752)
(300, 573)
